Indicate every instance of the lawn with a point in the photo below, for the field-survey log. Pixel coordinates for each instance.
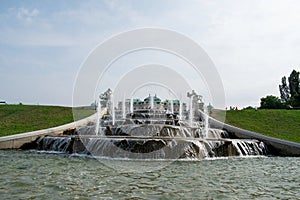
(23, 118)
(283, 124)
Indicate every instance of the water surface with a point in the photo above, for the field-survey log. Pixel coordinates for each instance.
(35, 175)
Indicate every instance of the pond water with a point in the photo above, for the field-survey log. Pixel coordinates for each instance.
(40, 175)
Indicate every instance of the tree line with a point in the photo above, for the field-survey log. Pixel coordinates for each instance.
(289, 94)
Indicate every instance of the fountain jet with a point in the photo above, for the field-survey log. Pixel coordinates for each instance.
(151, 101)
(191, 113)
(172, 106)
(131, 105)
(124, 108)
(98, 117)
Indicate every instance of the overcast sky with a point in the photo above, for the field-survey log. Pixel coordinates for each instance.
(43, 43)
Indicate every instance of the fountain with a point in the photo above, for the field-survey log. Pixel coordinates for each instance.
(124, 108)
(152, 133)
(206, 124)
(112, 110)
(131, 105)
(151, 102)
(172, 106)
(191, 113)
(98, 117)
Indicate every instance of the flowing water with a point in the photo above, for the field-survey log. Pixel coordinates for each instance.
(153, 142)
(37, 175)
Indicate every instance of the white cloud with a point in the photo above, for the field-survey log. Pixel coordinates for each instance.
(27, 15)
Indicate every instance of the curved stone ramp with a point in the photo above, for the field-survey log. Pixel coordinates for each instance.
(16, 141)
(276, 147)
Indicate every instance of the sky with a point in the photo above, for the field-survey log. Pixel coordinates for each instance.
(43, 44)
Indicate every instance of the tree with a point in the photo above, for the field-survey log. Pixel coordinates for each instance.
(290, 94)
(294, 83)
(284, 91)
(271, 102)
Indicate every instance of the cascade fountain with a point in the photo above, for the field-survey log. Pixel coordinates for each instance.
(152, 134)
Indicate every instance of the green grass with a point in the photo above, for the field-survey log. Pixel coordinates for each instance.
(24, 118)
(283, 124)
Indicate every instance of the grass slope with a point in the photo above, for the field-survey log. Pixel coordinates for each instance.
(23, 118)
(283, 124)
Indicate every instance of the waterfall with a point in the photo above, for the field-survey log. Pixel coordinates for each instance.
(249, 147)
(154, 130)
(171, 143)
(216, 134)
(60, 144)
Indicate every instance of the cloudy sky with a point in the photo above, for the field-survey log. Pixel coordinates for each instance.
(43, 43)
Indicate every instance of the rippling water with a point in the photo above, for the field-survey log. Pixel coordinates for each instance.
(35, 175)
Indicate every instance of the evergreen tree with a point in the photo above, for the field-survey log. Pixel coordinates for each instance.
(290, 94)
(284, 91)
(294, 83)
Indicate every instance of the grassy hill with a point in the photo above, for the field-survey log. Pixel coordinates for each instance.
(283, 124)
(23, 118)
